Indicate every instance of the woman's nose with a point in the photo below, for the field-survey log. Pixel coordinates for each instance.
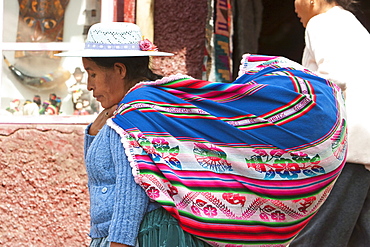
(89, 86)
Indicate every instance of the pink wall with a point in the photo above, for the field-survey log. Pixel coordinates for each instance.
(43, 192)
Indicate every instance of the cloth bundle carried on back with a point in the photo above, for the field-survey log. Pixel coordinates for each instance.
(246, 163)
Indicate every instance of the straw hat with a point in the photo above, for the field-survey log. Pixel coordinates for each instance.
(115, 39)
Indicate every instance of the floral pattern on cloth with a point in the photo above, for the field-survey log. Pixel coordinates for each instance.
(246, 163)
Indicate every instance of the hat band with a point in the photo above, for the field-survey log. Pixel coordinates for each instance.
(96, 46)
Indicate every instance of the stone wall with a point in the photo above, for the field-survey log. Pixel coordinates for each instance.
(43, 194)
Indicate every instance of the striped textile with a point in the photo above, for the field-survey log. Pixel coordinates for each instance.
(246, 163)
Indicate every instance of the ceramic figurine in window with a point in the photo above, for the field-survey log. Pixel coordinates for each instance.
(30, 108)
(80, 110)
(14, 107)
(43, 107)
(51, 110)
(37, 100)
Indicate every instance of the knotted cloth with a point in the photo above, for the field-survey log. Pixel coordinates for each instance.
(246, 163)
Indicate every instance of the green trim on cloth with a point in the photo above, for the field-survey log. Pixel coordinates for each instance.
(159, 228)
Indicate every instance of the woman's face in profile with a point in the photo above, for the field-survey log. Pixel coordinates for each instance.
(304, 10)
(106, 84)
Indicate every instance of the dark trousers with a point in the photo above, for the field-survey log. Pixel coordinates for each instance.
(344, 218)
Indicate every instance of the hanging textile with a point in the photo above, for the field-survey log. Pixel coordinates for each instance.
(129, 7)
(218, 52)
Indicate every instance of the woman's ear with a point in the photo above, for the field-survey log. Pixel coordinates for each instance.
(121, 69)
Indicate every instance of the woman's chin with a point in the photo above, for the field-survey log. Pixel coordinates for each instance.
(104, 105)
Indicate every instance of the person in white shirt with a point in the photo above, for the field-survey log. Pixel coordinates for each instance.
(338, 48)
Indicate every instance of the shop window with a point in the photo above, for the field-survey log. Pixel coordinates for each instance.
(35, 85)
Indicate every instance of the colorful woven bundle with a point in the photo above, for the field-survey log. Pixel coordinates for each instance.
(246, 163)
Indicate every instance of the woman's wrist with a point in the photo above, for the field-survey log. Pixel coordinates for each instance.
(112, 244)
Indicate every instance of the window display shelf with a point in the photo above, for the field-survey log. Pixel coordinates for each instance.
(48, 119)
(47, 46)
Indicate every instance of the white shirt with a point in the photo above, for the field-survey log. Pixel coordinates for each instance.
(338, 48)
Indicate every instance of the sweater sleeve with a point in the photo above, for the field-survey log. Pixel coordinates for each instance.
(88, 139)
(131, 202)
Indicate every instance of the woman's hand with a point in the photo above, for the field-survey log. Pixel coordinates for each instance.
(101, 120)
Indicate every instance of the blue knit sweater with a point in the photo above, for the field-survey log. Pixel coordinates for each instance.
(117, 203)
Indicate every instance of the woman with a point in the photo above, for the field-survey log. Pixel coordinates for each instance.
(176, 161)
(118, 204)
(338, 48)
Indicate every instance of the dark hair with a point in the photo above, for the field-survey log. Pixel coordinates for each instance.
(345, 4)
(137, 67)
